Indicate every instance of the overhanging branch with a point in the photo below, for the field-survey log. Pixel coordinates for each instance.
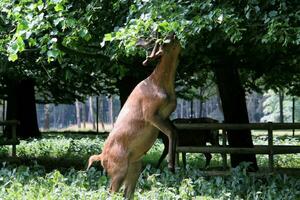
(95, 55)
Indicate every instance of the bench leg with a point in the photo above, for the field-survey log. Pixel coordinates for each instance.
(224, 158)
(14, 151)
(184, 159)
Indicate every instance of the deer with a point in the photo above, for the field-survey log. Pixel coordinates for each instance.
(186, 137)
(145, 113)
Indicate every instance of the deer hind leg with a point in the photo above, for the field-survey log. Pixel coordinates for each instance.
(131, 179)
(117, 172)
(166, 126)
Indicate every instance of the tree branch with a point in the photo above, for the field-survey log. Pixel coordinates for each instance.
(95, 55)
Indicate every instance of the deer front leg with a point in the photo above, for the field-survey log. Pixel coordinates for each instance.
(165, 126)
(165, 141)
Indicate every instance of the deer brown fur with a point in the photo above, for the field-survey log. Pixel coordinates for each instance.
(144, 114)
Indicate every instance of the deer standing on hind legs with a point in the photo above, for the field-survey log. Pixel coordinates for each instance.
(144, 114)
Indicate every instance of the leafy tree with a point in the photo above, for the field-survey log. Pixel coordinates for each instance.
(43, 43)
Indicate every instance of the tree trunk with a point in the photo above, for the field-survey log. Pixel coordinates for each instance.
(181, 108)
(234, 107)
(84, 114)
(201, 102)
(3, 110)
(192, 109)
(21, 107)
(78, 119)
(47, 117)
(54, 115)
(111, 110)
(101, 111)
(91, 113)
(220, 104)
(281, 98)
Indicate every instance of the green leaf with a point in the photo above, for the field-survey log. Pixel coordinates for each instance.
(32, 42)
(273, 13)
(108, 37)
(12, 57)
(21, 44)
(57, 20)
(58, 7)
(83, 33)
(13, 48)
(22, 25)
(52, 53)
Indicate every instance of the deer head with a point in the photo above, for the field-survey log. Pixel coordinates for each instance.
(160, 47)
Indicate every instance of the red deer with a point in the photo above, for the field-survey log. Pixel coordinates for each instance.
(191, 138)
(144, 114)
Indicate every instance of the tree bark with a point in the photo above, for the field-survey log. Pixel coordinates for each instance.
(78, 119)
(111, 110)
(281, 98)
(21, 106)
(3, 110)
(192, 115)
(84, 114)
(100, 103)
(91, 113)
(47, 116)
(234, 107)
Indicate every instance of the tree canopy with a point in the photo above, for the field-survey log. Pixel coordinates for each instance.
(261, 38)
(85, 46)
(57, 43)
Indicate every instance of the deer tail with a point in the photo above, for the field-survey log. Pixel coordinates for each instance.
(92, 159)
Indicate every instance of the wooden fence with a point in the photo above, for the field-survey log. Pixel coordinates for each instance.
(13, 139)
(224, 149)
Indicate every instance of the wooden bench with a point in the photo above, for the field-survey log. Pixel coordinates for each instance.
(13, 140)
(224, 149)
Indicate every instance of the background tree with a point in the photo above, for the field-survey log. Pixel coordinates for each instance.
(44, 43)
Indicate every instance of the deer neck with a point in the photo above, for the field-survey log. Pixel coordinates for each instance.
(164, 73)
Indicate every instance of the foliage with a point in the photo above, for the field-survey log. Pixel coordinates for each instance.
(92, 43)
(260, 38)
(34, 181)
(47, 40)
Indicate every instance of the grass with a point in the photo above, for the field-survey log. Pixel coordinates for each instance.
(53, 168)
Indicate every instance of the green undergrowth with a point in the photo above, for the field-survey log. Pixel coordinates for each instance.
(33, 182)
(54, 168)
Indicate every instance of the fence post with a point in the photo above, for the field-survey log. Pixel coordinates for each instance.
(270, 146)
(293, 115)
(224, 155)
(14, 139)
